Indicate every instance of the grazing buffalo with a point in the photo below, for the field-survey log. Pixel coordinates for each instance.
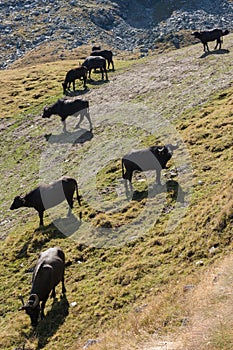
(44, 197)
(48, 272)
(93, 62)
(210, 35)
(68, 107)
(107, 54)
(152, 158)
(72, 75)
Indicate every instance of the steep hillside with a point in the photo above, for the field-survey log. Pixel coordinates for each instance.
(130, 259)
(63, 26)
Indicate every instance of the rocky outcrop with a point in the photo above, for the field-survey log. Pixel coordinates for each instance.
(123, 25)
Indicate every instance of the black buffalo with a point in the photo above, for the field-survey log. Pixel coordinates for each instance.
(72, 75)
(211, 35)
(93, 62)
(107, 54)
(48, 272)
(68, 107)
(152, 158)
(47, 196)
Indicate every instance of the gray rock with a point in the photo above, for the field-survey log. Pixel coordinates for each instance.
(118, 24)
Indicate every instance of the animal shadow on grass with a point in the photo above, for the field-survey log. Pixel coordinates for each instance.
(171, 187)
(80, 136)
(37, 241)
(97, 82)
(214, 52)
(54, 318)
(68, 226)
(77, 92)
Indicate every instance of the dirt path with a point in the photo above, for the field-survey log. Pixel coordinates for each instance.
(210, 306)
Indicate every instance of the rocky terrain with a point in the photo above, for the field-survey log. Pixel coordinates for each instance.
(121, 25)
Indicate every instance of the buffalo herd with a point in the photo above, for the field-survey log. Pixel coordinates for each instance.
(50, 267)
(98, 59)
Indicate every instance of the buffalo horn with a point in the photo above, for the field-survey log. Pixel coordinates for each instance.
(23, 306)
(160, 149)
(36, 302)
(21, 298)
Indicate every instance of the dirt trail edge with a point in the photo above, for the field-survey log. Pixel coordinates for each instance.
(209, 308)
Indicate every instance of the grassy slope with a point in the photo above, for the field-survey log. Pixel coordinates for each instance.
(107, 283)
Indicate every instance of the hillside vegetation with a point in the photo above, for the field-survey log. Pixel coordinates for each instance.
(130, 260)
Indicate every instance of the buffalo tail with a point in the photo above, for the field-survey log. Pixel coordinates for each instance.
(78, 197)
(122, 167)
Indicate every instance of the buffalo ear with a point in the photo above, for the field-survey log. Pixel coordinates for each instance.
(46, 108)
(22, 199)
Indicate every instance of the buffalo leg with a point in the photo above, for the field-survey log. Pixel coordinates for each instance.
(64, 125)
(106, 74)
(81, 114)
(70, 203)
(41, 214)
(84, 82)
(89, 119)
(42, 309)
(158, 177)
(102, 72)
(128, 175)
(128, 190)
(218, 42)
(206, 47)
(53, 294)
(63, 286)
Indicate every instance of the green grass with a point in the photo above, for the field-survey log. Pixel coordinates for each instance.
(108, 282)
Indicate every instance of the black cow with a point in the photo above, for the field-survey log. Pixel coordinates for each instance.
(152, 158)
(49, 271)
(107, 54)
(72, 75)
(93, 62)
(68, 107)
(44, 197)
(211, 35)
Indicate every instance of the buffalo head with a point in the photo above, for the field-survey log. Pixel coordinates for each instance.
(17, 203)
(163, 153)
(46, 113)
(32, 308)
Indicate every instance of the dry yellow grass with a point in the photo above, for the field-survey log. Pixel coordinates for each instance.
(205, 309)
